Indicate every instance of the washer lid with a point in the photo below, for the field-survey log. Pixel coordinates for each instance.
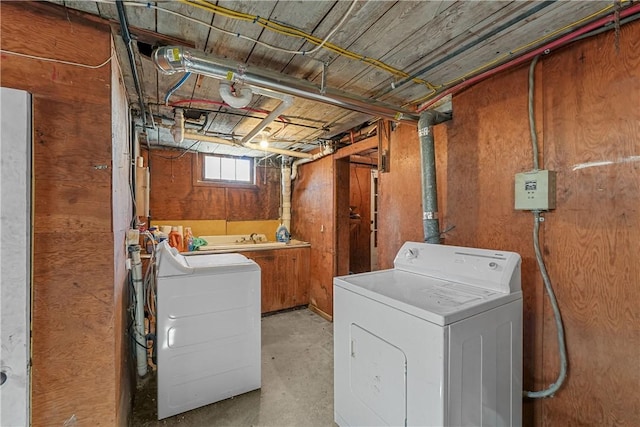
(435, 300)
(216, 260)
(172, 263)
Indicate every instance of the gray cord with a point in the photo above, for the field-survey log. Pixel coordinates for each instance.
(550, 391)
(562, 348)
(532, 118)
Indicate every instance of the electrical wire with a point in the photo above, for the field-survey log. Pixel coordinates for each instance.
(532, 117)
(537, 219)
(332, 32)
(294, 32)
(176, 87)
(149, 277)
(133, 299)
(59, 61)
(185, 151)
(279, 28)
(526, 46)
(586, 30)
(500, 59)
(181, 102)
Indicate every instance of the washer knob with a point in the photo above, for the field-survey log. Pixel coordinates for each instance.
(493, 265)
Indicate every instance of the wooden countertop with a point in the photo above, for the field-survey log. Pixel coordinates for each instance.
(251, 247)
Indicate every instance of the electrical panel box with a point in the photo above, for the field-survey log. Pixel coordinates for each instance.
(535, 190)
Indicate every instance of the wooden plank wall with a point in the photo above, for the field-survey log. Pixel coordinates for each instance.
(592, 241)
(174, 196)
(399, 196)
(586, 103)
(360, 229)
(313, 220)
(74, 352)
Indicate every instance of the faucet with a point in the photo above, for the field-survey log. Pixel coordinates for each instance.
(253, 237)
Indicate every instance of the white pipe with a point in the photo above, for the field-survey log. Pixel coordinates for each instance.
(177, 130)
(294, 167)
(274, 150)
(138, 332)
(235, 100)
(179, 134)
(287, 101)
(286, 194)
(289, 173)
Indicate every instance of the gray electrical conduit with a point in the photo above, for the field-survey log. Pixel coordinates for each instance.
(553, 388)
(126, 37)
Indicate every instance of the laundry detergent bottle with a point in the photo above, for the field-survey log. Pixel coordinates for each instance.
(282, 234)
(175, 240)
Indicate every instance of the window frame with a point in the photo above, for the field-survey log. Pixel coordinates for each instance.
(199, 172)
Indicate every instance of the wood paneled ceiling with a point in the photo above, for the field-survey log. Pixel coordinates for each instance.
(401, 52)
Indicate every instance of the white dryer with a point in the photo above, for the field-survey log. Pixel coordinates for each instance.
(435, 341)
(208, 329)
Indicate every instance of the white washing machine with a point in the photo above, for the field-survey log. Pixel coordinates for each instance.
(435, 341)
(208, 329)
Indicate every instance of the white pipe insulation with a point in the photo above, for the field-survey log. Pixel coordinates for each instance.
(236, 100)
(289, 173)
(177, 130)
(294, 167)
(138, 331)
(286, 194)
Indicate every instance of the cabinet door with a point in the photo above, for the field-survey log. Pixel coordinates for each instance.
(285, 277)
(266, 261)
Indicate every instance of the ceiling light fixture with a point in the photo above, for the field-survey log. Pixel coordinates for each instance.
(264, 142)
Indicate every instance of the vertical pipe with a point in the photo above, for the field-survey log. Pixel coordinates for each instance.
(138, 331)
(286, 193)
(429, 188)
(126, 37)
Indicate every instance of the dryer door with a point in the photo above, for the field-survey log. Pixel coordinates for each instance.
(378, 376)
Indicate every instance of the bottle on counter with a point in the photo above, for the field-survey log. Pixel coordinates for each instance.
(175, 240)
(282, 234)
(188, 239)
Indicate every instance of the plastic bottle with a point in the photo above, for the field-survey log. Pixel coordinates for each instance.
(282, 234)
(188, 239)
(175, 240)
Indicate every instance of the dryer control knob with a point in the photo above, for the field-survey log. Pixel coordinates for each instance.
(411, 253)
(493, 265)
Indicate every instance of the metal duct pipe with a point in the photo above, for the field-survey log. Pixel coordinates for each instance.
(429, 187)
(172, 59)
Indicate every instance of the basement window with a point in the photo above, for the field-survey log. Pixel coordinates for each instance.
(227, 169)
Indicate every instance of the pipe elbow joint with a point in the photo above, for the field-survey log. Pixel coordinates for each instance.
(177, 130)
(236, 100)
(433, 117)
(169, 59)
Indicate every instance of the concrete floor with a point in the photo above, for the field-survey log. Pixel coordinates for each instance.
(297, 381)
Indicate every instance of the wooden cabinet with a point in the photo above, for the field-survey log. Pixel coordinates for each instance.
(285, 277)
